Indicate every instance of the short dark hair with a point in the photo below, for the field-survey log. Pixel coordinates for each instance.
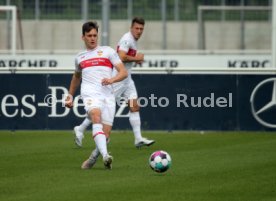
(88, 26)
(138, 20)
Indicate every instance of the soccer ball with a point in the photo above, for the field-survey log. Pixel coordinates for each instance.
(160, 161)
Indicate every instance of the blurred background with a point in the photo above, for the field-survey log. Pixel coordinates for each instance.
(55, 25)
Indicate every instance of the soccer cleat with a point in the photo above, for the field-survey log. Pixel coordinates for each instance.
(89, 163)
(78, 136)
(108, 161)
(143, 142)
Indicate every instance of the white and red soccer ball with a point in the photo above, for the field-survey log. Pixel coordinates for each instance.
(160, 161)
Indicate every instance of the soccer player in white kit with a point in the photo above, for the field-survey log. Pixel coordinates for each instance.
(127, 50)
(93, 72)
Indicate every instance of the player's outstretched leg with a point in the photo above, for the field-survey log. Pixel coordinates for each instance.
(79, 131)
(135, 122)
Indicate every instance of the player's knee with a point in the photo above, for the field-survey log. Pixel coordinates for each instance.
(96, 119)
(95, 116)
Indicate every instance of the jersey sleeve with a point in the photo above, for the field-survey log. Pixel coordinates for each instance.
(77, 66)
(124, 45)
(114, 57)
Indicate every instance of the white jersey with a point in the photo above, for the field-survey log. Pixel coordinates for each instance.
(95, 65)
(128, 44)
(126, 88)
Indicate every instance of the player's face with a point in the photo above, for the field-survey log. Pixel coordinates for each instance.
(90, 39)
(137, 30)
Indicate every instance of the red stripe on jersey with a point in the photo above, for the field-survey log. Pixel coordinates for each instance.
(131, 52)
(96, 62)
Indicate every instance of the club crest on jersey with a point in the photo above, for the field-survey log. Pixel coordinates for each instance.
(100, 53)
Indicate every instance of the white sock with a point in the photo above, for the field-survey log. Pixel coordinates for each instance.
(86, 122)
(96, 153)
(100, 139)
(135, 122)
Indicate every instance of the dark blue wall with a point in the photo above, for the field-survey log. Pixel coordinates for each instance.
(236, 116)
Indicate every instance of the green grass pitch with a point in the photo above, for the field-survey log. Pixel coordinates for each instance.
(215, 166)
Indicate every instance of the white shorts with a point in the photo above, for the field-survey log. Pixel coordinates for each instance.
(125, 89)
(105, 104)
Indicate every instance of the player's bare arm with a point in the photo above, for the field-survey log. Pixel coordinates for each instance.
(122, 74)
(138, 58)
(74, 85)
